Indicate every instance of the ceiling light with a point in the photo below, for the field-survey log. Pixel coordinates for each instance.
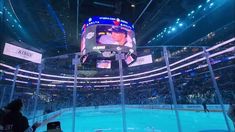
(211, 4)
(103, 4)
(133, 5)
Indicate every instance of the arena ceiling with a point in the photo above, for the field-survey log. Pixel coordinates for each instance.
(50, 25)
(52, 28)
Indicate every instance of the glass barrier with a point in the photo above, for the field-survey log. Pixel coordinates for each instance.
(4, 92)
(148, 100)
(222, 62)
(180, 94)
(195, 95)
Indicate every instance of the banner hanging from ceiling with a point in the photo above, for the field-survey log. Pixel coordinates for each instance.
(21, 53)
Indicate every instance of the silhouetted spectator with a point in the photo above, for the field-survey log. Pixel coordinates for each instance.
(14, 121)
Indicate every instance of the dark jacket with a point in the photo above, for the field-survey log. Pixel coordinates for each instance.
(14, 121)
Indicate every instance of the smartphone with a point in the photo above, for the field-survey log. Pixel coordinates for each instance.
(54, 127)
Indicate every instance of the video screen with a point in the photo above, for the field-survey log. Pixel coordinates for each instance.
(83, 40)
(106, 64)
(84, 58)
(129, 59)
(103, 37)
(114, 35)
(142, 60)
